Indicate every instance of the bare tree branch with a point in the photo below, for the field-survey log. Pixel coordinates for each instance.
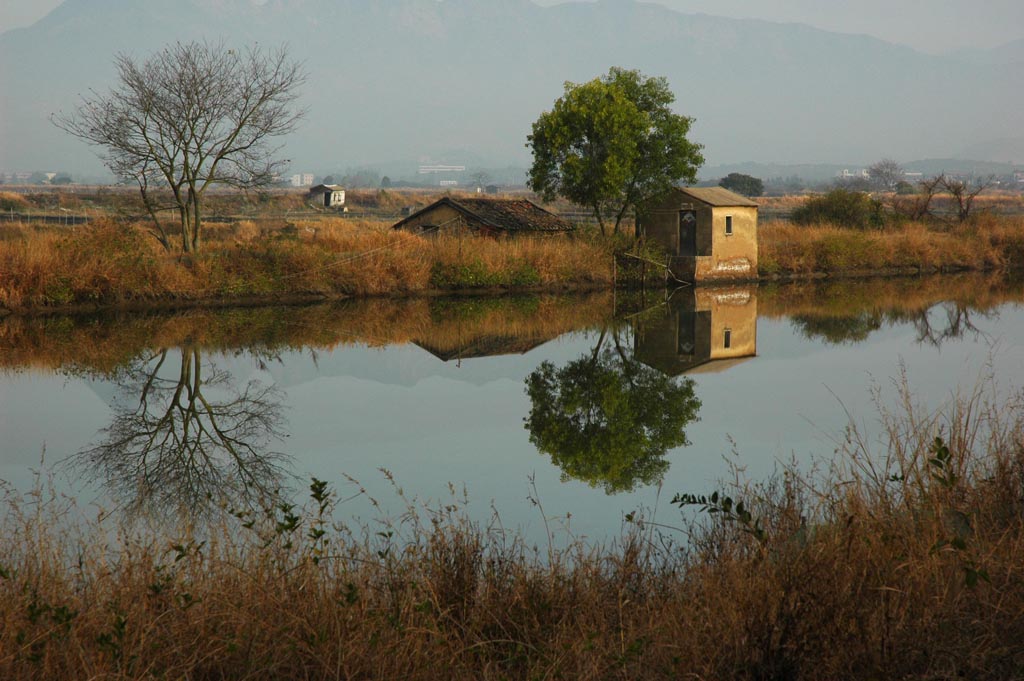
(192, 116)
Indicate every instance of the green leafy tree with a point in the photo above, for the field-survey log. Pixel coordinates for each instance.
(743, 184)
(607, 419)
(611, 144)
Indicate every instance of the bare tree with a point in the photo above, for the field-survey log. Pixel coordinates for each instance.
(885, 173)
(170, 447)
(917, 206)
(192, 116)
(964, 192)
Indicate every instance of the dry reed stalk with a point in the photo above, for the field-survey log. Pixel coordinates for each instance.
(901, 561)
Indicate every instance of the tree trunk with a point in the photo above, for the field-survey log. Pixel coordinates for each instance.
(196, 221)
(600, 218)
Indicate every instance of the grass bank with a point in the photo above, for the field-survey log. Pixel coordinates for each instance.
(901, 562)
(987, 242)
(105, 263)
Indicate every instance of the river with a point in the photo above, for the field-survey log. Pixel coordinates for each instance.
(546, 412)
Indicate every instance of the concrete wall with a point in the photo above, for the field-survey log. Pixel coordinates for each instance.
(732, 256)
(720, 257)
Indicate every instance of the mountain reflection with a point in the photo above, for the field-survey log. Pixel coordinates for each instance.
(185, 439)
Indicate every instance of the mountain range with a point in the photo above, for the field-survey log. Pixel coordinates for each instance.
(462, 80)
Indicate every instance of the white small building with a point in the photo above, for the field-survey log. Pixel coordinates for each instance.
(328, 195)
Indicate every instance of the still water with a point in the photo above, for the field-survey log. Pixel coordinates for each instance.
(595, 405)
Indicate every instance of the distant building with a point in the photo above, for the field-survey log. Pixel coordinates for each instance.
(328, 195)
(434, 168)
(302, 180)
(710, 233)
(485, 217)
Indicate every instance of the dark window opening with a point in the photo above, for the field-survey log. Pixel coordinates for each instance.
(728, 338)
(728, 224)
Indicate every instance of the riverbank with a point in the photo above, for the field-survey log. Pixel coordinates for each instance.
(107, 265)
(899, 563)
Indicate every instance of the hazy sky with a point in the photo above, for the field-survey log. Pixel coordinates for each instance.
(929, 25)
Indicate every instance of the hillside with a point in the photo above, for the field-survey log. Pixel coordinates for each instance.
(410, 79)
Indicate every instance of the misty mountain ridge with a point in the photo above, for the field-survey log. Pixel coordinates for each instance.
(417, 79)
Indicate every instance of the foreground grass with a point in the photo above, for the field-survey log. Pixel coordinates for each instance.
(105, 263)
(901, 562)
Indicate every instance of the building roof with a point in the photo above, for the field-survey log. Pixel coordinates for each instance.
(510, 215)
(717, 196)
(324, 188)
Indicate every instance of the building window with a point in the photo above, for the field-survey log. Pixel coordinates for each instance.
(728, 224)
(727, 341)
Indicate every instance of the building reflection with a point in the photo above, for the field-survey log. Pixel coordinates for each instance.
(699, 330)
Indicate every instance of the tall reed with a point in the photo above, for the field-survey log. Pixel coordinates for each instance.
(902, 560)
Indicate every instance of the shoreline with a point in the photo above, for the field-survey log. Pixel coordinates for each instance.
(299, 299)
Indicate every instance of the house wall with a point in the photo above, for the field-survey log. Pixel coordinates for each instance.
(732, 256)
(719, 257)
(446, 218)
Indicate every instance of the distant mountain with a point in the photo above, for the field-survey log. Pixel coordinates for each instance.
(1011, 53)
(416, 79)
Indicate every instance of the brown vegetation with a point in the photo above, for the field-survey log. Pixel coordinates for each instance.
(902, 563)
(986, 242)
(105, 263)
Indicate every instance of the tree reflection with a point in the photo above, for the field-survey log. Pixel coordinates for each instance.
(838, 330)
(933, 325)
(953, 322)
(171, 447)
(607, 419)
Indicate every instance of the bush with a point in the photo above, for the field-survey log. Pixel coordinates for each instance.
(843, 208)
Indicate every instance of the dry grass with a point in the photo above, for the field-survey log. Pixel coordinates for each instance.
(106, 263)
(901, 563)
(989, 242)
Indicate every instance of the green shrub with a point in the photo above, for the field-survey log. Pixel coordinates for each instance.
(843, 208)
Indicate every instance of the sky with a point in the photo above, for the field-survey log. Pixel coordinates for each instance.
(933, 26)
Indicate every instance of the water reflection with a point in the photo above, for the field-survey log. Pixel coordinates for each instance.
(708, 329)
(607, 406)
(609, 417)
(606, 418)
(185, 439)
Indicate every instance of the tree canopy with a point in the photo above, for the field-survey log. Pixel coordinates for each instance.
(747, 185)
(611, 144)
(191, 116)
(607, 419)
